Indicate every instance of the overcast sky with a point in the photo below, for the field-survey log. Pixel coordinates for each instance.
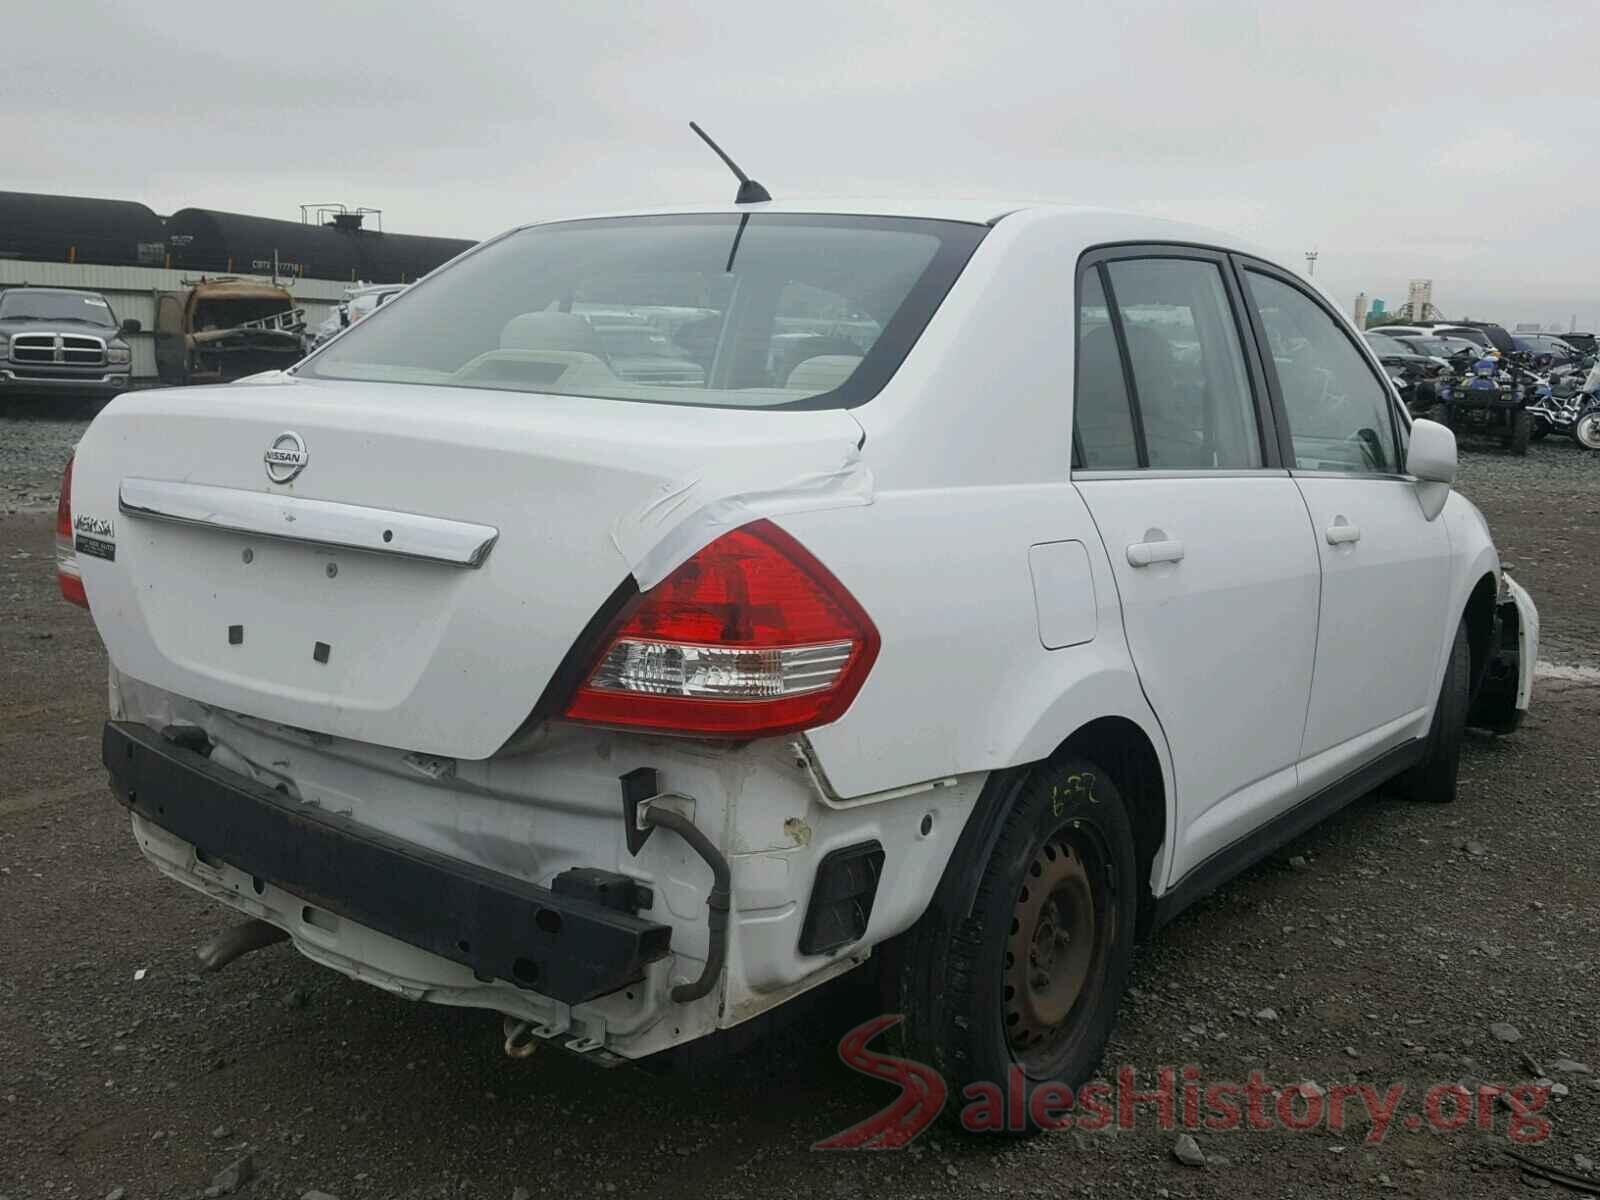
(1458, 141)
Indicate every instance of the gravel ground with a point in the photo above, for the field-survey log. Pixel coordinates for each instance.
(32, 455)
(1379, 948)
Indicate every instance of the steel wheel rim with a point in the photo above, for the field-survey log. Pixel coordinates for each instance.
(1587, 431)
(1055, 941)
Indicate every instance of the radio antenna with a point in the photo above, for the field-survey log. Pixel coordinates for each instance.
(750, 192)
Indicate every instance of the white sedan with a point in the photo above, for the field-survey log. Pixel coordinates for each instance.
(979, 588)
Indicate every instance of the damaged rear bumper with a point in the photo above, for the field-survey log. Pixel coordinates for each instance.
(498, 926)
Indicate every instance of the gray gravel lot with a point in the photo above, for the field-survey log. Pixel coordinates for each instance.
(1384, 945)
(32, 455)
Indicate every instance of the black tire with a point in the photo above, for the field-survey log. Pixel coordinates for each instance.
(1441, 414)
(965, 1014)
(1521, 431)
(1541, 430)
(1434, 778)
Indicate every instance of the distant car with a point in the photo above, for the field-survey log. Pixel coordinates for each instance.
(1581, 341)
(62, 341)
(1498, 337)
(368, 300)
(1412, 368)
(1470, 333)
(358, 303)
(1444, 348)
(1387, 348)
(1561, 352)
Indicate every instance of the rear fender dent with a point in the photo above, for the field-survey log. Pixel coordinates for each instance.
(681, 517)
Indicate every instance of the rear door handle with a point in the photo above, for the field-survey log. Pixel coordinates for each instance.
(1142, 554)
(1342, 533)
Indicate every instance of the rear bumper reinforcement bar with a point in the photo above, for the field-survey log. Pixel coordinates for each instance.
(500, 926)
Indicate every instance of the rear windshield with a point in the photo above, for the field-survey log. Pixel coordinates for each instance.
(1472, 335)
(759, 310)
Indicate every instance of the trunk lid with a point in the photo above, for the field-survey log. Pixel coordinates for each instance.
(439, 551)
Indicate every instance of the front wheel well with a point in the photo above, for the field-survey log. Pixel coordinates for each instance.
(1479, 619)
(1123, 750)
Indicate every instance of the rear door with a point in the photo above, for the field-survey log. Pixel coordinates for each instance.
(1175, 456)
(1385, 567)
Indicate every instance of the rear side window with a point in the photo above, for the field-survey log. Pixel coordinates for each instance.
(758, 310)
(1340, 415)
(1104, 417)
(1184, 400)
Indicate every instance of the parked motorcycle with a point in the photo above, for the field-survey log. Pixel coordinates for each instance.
(1565, 409)
(1489, 396)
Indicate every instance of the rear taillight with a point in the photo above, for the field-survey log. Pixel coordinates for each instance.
(752, 636)
(67, 574)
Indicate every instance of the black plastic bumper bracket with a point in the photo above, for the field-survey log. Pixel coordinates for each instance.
(500, 926)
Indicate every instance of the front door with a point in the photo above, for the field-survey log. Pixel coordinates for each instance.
(172, 349)
(1385, 566)
(1208, 537)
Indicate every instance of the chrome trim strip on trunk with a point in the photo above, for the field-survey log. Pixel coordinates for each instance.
(314, 522)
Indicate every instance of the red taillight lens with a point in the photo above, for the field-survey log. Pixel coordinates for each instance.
(750, 637)
(66, 557)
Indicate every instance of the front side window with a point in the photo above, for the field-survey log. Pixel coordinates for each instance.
(1191, 393)
(759, 310)
(1339, 413)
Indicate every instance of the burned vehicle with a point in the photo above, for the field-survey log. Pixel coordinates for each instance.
(219, 330)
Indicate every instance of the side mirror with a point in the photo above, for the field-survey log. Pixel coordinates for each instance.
(131, 325)
(1431, 460)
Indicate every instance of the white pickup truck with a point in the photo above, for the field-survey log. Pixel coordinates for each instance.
(1094, 560)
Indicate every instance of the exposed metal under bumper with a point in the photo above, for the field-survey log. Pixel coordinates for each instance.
(501, 927)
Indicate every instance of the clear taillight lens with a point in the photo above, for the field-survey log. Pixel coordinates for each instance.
(751, 636)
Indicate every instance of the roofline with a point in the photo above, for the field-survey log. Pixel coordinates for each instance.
(47, 287)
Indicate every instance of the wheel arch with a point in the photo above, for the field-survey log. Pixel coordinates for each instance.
(1126, 752)
(1131, 754)
(1478, 614)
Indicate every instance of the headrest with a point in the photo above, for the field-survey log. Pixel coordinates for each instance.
(822, 372)
(549, 331)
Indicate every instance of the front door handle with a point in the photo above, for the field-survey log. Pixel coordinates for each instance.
(1142, 554)
(1342, 533)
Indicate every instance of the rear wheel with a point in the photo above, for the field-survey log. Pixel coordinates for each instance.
(1028, 980)
(1434, 778)
(1441, 414)
(1541, 429)
(1521, 431)
(1586, 429)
